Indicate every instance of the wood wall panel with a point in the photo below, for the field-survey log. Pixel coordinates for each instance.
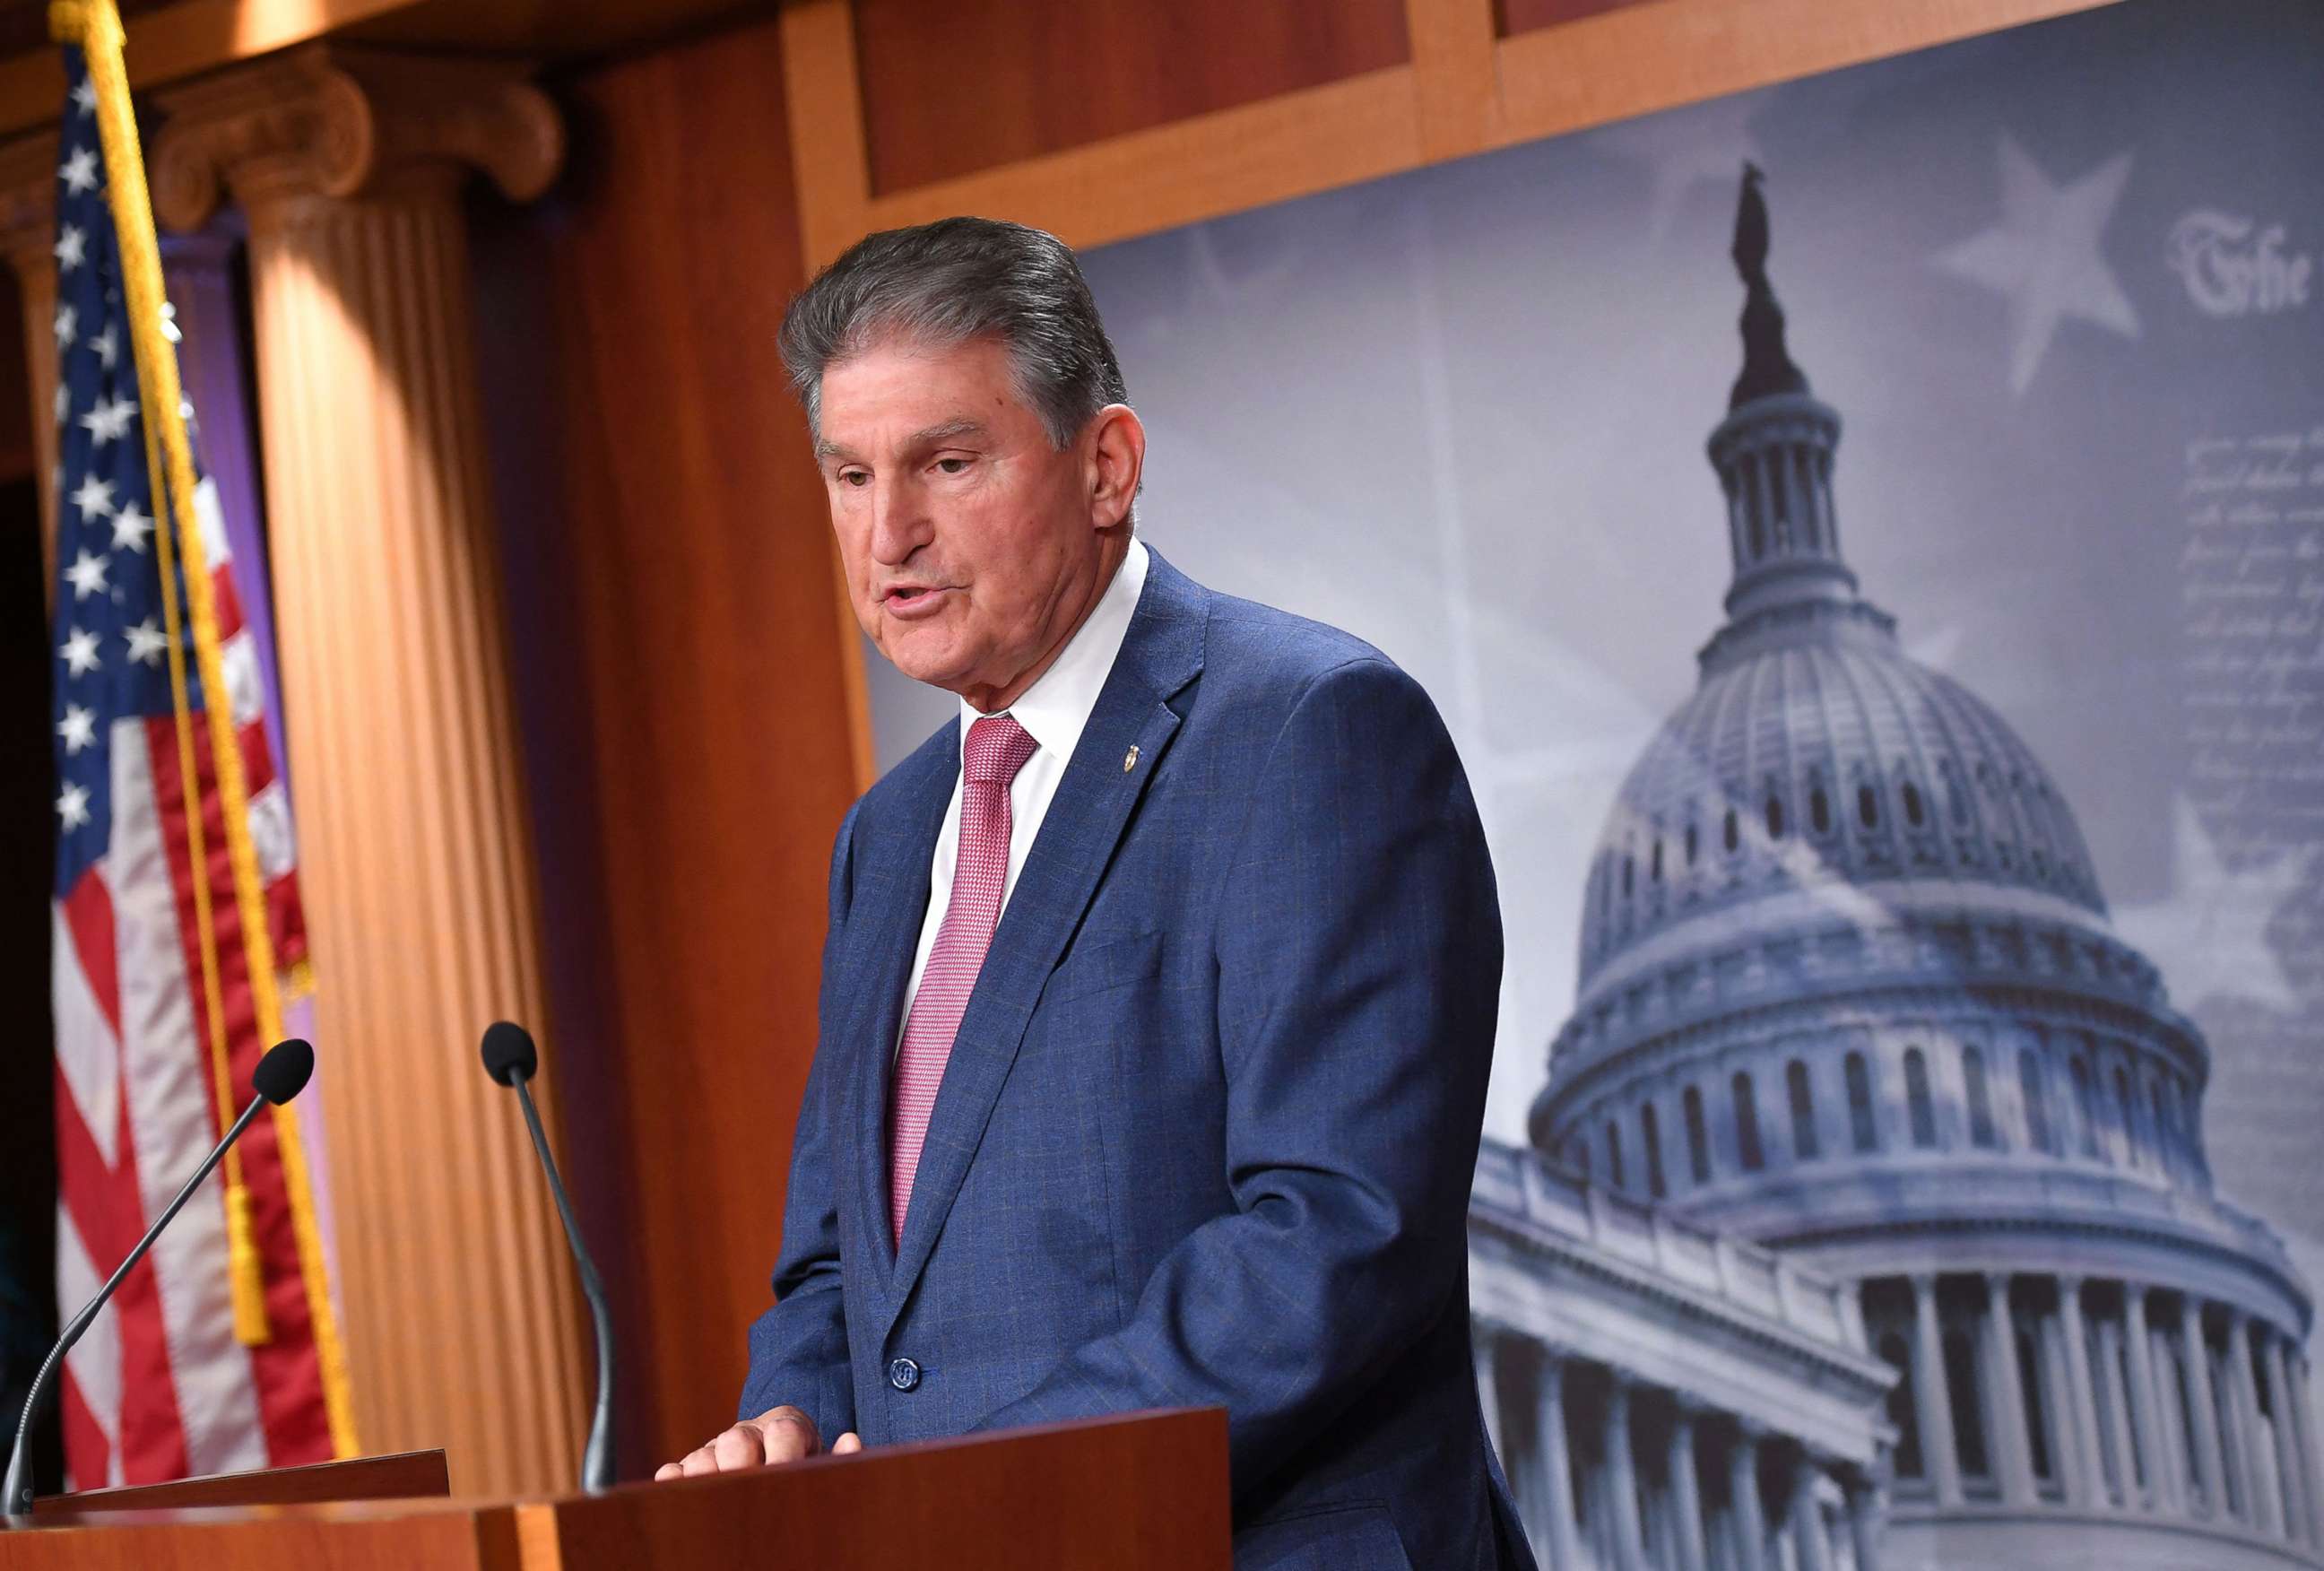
(1513, 16)
(684, 664)
(951, 86)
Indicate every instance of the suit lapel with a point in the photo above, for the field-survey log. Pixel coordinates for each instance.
(891, 898)
(1160, 654)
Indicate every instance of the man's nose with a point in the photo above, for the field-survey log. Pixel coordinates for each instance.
(900, 520)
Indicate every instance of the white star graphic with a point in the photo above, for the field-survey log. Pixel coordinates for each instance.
(1704, 146)
(79, 652)
(2209, 933)
(2044, 256)
(84, 96)
(72, 807)
(73, 247)
(78, 728)
(87, 575)
(147, 643)
(108, 421)
(107, 346)
(79, 171)
(66, 318)
(93, 496)
(130, 528)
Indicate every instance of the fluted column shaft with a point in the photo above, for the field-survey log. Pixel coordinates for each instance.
(2303, 1430)
(1810, 1542)
(2261, 1507)
(1864, 1522)
(1686, 1495)
(2128, 1463)
(2146, 1402)
(1932, 1397)
(2013, 1457)
(417, 870)
(1561, 1528)
(2203, 1411)
(1745, 1514)
(2289, 1474)
(2177, 1466)
(1622, 1480)
(2090, 1484)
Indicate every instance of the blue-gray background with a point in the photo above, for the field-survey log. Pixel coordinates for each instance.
(1460, 413)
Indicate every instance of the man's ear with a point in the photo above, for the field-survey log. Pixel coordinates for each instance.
(1117, 461)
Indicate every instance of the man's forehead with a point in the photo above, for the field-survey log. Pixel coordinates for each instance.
(901, 393)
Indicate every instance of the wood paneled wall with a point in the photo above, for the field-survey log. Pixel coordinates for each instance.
(693, 716)
(951, 86)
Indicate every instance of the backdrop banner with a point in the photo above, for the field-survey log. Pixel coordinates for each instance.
(1903, 1145)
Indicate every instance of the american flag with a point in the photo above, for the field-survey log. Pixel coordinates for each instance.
(163, 1386)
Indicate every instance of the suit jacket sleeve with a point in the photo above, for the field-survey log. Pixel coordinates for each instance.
(1359, 949)
(798, 1348)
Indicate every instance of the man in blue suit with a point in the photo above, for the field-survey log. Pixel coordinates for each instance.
(1160, 992)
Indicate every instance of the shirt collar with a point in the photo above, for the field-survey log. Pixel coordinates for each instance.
(1056, 707)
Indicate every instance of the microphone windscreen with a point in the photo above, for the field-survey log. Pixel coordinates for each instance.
(508, 1053)
(282, 1073)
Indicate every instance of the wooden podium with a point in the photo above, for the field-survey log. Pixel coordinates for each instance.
(1138, 1492)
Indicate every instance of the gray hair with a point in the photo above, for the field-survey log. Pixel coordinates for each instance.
(950, 282)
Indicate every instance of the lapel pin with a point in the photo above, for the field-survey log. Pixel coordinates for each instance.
(1129, 758)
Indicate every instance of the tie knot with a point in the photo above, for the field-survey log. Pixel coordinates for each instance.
(996, 749)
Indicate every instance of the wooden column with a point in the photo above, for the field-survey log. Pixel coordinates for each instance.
(28, 238)
(417, 866)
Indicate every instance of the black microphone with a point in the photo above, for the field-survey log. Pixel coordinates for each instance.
(281, 1075)
(511, 1059)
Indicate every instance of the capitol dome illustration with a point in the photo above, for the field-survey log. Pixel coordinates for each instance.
(1851, 1012)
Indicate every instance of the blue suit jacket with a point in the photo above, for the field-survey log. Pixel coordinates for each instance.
(1206, 1134)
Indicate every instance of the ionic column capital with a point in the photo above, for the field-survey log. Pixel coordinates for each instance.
(328, 121)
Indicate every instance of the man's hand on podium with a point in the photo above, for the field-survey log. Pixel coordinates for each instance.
(777, 1435)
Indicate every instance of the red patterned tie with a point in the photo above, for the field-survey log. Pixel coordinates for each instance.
(996, 749)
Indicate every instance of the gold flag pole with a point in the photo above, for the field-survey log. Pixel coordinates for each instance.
(95, 26)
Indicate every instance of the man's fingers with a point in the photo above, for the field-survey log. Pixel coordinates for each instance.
(787, 1433)
(851, 1441)
(740, 1447)
(667, 1470)
(696, 1463)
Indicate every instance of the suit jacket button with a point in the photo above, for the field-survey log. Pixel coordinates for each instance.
(903, 1374)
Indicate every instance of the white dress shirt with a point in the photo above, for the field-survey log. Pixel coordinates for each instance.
(1053, 711)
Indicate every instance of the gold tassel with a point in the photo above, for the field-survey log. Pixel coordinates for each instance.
(250, 1326)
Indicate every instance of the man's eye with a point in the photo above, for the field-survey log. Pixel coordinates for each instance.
(859, 478)
(951, 466)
